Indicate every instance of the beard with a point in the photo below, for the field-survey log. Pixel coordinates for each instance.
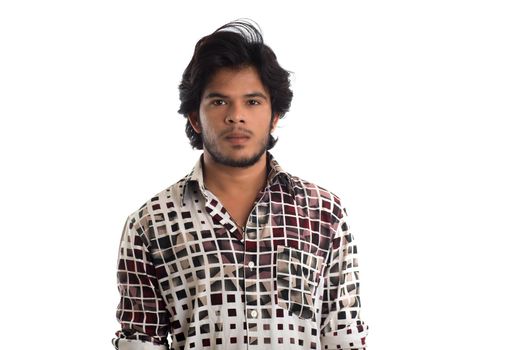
(223, 159)
(212, 147)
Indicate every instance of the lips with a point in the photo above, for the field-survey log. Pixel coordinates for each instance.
(237, 136)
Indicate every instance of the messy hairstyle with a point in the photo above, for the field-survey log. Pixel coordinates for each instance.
(234, 45)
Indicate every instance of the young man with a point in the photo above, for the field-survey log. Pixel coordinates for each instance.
(238, 254)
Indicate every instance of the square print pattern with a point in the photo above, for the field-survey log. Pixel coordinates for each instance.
(287, 280)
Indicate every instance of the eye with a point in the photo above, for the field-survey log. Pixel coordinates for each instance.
(253, 102)
(218, 102)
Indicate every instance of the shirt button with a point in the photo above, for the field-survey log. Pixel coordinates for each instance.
(251, 264)
(254, 313)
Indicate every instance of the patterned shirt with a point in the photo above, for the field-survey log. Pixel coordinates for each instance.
(287, 280)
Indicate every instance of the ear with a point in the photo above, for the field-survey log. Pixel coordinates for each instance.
(274, 122)
(195, 123)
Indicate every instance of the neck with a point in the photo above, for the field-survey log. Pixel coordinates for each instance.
(234, 181)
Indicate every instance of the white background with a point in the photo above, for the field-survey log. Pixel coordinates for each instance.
(411, 111)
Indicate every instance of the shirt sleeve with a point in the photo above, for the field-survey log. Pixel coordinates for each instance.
(341, 323)
(141, 312)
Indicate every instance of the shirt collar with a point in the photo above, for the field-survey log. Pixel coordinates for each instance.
(276, 175)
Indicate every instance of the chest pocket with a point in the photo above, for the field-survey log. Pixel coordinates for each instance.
(298, 276)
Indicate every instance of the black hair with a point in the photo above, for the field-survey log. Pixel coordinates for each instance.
(236, 44)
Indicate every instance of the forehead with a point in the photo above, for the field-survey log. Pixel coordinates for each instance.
(235, 80)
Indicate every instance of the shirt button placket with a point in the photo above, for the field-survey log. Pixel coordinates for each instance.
(251, 279)
(252, 314)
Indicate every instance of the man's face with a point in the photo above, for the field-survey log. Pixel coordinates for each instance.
(234, 101)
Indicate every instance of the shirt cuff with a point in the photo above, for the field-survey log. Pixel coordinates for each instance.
(133, 344)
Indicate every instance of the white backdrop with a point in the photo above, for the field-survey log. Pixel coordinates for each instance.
(411, 111)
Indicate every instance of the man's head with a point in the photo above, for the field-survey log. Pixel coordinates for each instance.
(233, 83)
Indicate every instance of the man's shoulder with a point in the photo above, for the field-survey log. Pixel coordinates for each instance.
(312, 194)
(163, 201)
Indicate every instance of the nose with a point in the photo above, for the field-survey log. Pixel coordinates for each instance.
(235, 113)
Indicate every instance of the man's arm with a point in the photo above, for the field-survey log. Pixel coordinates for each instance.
(341, 325)
(141, 311)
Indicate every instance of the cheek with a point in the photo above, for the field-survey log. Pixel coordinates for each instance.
(210, 117)
(208, 128)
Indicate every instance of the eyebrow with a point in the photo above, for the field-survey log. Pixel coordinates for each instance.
(219, 95)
